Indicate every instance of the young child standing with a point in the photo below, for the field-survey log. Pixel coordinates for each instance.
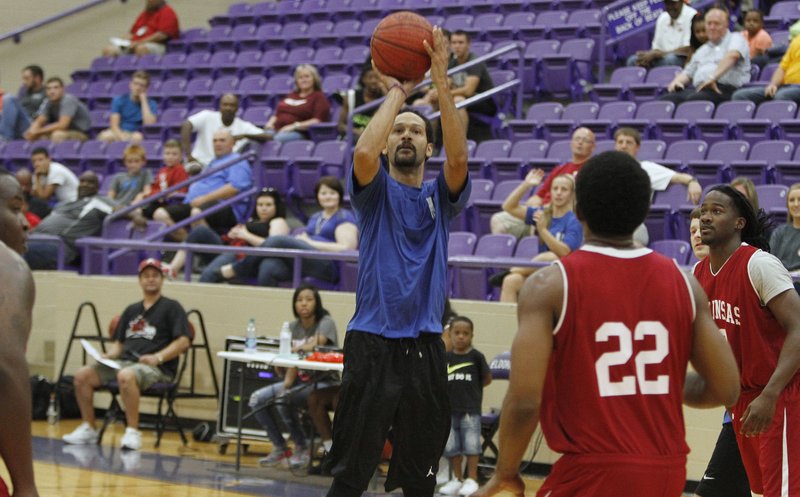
(467, 375)
(125, 187)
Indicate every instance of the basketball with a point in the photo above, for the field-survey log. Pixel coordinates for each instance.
(397, 48)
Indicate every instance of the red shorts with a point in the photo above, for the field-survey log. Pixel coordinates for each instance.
(614, 475)
(772, 459)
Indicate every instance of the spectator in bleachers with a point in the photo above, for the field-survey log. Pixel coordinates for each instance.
(313, 326)
(717, 69)
(785, 81)
(754, 33)
(148, 339)
(305, 106)
(785, 240)
(130, 111)
(52, 180)
(135, 181)
(19, 110)
(269, 219)
(206, 122)
(671, 37)
(370, 88)
(34, 205)
(699, 36)
(170, 174)
(469, 82)
(61, 116)
(332, 229)
(629, 140)
(699, 248)
(70, 221)
(558, 229)
(747, 188)
(583, 141)
(155, 26)
(211, 190)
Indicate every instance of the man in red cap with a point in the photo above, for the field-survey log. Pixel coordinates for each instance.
(148, 339)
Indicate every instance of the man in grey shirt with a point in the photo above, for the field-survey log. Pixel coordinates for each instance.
(717, 69)
(61, 117)
(19, 110)
(70, 221)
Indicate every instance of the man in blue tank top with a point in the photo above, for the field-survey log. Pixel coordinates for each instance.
(394, 370)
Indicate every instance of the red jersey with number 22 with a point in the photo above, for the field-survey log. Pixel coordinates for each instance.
(620, 350)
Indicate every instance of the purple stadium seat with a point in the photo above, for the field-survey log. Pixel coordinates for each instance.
(100, 120)
(764, 125)
(587, 22)
(334, 83)
(151, 64)
(341, 30)
(513, 27)
(249, 63)
(277, 87)
(515, 166)
(654, 84)
(266, 12)
(646, 116)
(472, 283)
(545, 21)
(534, 118)
(296, 56)
(98, 94)
(449, 7)
(291, 11)
(173, 65)
(781, 15)
(296, 34)
(455, 22)
(93, 156)
(68, 153)
(606, 145)
(563, 75)
(329, 60)
(327, 159)
(317, 10)
(678, 250)
(125, 66)
(102, 68)
(527, 247)
(508, 6)
(788, 172)
(574, 114)
(277, 167)
(534, 51)
(760, 164)
(215, 35)
(617, 87)
(681, 125)
(238, 13)
(559, 152)
(168, 124)
(355, 57)
(484, 23)
(715, 168)
(268, 37)
(723, 124)
(653, 150)
(197, 86)
(258, 115)
(487, 150)
(772, 197)
(681, 152)
(251, 90)
(461, 243)
(606, 122)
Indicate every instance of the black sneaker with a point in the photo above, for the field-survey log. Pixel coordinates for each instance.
(496, 280)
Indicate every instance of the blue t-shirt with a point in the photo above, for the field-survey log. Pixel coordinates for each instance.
(130, 112)
(402, 263)
(239, 176)
(324, 230)
(566, 229)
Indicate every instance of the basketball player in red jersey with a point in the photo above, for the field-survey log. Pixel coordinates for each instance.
(755, 306)
(605, 335)
(16, 303)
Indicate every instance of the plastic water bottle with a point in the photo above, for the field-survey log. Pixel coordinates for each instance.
(250, 337)
(52, 411)
(286, 339)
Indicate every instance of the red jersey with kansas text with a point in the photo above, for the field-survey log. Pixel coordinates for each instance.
(737, 297)
(620, 350)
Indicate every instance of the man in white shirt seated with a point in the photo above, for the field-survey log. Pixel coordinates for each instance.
(206, 122)
(629, 140)
(52, 179)
(671, 38)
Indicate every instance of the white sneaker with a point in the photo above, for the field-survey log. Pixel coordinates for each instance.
(83, 435)
(469, 487)
(132, 439)
(451, 488)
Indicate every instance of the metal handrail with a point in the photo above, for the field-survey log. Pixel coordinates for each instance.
(16, 34)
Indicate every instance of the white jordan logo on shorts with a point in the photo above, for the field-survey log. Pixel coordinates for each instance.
(430, 472)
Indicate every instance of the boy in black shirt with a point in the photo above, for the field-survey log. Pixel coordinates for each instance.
(467, 375)
(149, 338)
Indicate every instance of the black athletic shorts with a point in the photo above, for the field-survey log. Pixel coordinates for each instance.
(220, 221)
(390, 383)
(725, 475)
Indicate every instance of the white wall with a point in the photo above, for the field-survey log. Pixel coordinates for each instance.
(226, 310)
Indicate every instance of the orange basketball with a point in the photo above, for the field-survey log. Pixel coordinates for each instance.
(397, 48)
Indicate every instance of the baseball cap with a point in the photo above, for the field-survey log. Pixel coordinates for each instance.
(154, 263)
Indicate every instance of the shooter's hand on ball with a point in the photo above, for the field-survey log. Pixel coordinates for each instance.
(440, 57)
